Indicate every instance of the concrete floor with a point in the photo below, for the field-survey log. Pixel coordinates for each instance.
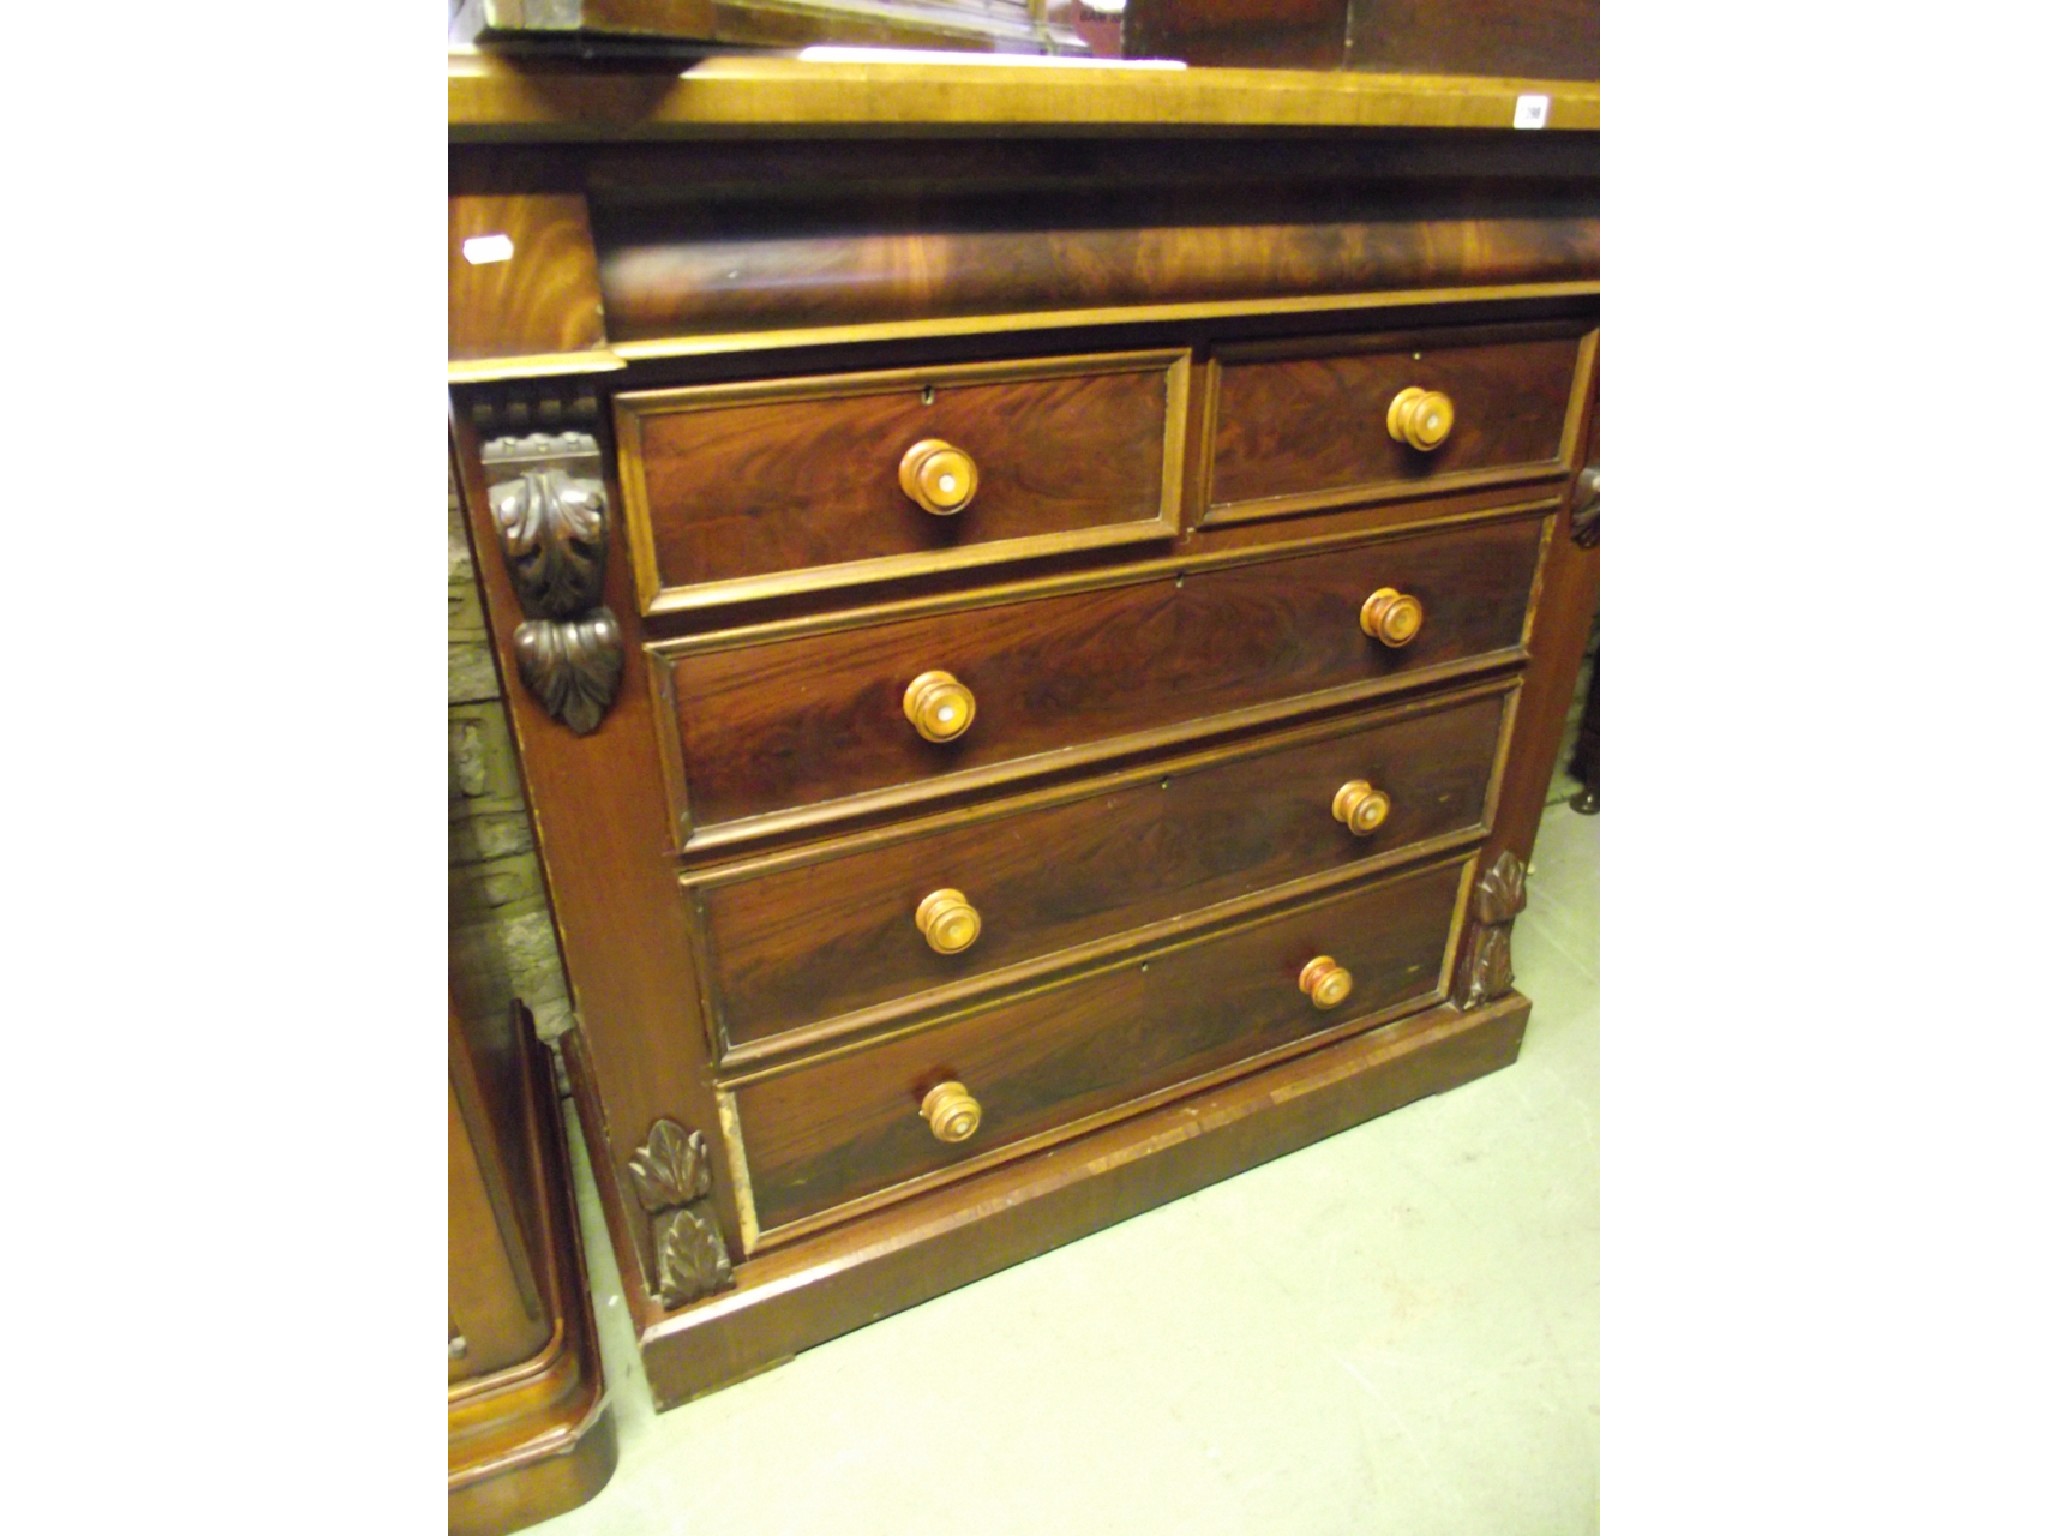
(1395, 1330)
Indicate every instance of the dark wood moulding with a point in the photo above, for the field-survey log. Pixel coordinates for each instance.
(814, 235)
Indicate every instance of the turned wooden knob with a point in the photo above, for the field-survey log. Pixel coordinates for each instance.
(938, 477)
(951, 1111)
(1390, 617)
(1360, 807)
(1421, 418)
(1325, 981)
(939, 705)
(948, 921)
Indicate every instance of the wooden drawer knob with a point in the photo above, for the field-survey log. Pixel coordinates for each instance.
(951, 1111)
(948, 921)
(1325, 981)
(1390, 617)
(1421, 418)
(1360, 807)
(939, 705)
(938, 477)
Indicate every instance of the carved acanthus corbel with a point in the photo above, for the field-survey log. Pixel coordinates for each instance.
(548, 506)
(671, 1176)
(1488, 969)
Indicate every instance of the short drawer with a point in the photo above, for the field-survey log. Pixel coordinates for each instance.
(797, 725)
(747, 491)
(1309, 424)
(821, 1136)
(795, 943)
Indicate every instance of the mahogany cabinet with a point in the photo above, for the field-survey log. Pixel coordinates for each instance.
(529, 1431)
(1042, 609)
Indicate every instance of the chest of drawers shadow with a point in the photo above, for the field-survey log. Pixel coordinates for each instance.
(1033, 652)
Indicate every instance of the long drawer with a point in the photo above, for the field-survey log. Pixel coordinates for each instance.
(823, 1135)
(766, 733)
(913, 918)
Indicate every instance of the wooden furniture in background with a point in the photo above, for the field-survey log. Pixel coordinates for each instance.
(529, 1432)
(1001, 26)
(1529, 39)
(1044, 621)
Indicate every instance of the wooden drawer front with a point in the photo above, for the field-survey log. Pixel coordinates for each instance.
(750, 491)
(1308, 428)
(793, 732)
(821, 1136)
(803, 943)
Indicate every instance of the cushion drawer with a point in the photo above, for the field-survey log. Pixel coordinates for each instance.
(794, 943)
(1304, 424)
(795, 727)
(756, 490)
(819, 1136)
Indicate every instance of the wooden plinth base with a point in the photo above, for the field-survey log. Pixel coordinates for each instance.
(791, 1298)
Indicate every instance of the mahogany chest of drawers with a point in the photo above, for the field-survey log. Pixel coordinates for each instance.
(1037, 627)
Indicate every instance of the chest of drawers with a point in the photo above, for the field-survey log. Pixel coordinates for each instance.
(1040, 627)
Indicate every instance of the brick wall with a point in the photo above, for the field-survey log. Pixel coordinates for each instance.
(501, 939)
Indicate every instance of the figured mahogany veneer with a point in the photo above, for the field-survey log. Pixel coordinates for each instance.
(736, 492)
(821, 942)
(1068, 714)
(821, 1136)
(1303, 425)
(802, 731)
(535, 288)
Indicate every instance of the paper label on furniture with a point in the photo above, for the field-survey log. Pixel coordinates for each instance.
(482, 250)
(1532, 111)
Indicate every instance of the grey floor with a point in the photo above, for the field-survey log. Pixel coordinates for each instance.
(1395, 1330)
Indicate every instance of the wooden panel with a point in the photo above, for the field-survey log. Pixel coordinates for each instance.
(1306, 425)
(1264, 34)
(496, 1250)
(1546, 39)
(794, 942)
(493, 1305)
(756, 490)
(534, 1437)
(823, 1135)
(775, 733)
(544, 298)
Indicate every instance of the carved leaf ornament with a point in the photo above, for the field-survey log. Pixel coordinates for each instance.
(673, 1169)
(1489, 968)
(689, 1256)
(671, 1176)
(552, 527)
(553, 532)
(572, 666)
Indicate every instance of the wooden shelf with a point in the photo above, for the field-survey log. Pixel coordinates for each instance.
(503, 99)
